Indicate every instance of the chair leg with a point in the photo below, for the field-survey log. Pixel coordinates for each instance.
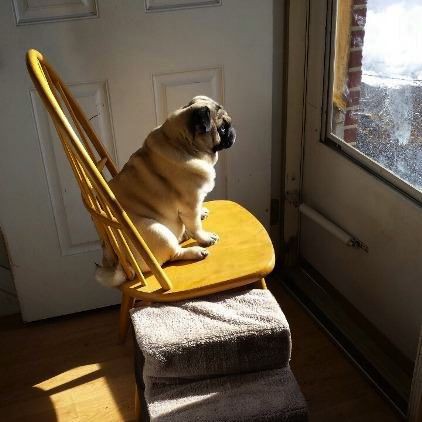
(138, 410)
(126, 305)
(260, 284)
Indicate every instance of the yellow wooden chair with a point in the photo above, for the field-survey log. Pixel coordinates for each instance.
(244, 254)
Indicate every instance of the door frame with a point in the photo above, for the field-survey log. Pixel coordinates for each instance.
(307, 79)
(297, 34)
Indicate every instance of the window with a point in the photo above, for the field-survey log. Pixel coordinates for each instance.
(376, 98)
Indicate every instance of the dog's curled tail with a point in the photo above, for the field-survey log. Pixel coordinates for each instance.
(110, 276)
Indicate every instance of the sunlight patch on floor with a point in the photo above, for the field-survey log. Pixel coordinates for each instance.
(81, 393)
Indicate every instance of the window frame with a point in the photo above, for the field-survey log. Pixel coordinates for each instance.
(334, 142)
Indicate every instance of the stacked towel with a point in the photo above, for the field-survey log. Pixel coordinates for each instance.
(220, 358)
(264, 396)
(223, 334)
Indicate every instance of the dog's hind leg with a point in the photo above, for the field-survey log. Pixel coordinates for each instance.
(164, 244)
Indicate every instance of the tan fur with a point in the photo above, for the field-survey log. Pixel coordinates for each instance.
(163, 186)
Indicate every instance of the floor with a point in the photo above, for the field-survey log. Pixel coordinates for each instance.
(333, 387)
(73, 369)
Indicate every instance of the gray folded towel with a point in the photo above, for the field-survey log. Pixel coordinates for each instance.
(257, 397)
(221, 334)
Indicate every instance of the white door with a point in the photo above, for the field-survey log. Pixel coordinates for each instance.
(362, 166)
(129, 63)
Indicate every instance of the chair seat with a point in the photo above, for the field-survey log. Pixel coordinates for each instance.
(243, 254)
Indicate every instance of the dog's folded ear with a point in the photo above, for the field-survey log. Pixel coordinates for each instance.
(201, 120)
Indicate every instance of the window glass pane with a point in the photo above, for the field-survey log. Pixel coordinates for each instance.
(377, 87)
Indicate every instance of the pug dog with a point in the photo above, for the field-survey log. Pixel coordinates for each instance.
(163, 185)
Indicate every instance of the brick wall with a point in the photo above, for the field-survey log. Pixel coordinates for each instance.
(354, 71)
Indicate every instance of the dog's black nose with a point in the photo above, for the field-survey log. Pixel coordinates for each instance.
(227, 137)
(223, 130)
(231, 137)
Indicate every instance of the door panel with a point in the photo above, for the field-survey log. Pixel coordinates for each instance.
(75, 230)
(35, 11)
(385, 283)
(128, 68)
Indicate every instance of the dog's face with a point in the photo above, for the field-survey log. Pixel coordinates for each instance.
(209, 125)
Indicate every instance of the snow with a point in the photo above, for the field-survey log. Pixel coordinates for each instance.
(393, 43)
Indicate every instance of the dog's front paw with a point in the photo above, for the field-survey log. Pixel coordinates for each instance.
(204, 213)
(200, 253)
(206, 238)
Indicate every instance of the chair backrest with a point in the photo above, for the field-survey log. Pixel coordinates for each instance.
(114, 226)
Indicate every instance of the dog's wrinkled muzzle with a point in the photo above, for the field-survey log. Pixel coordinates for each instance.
(227, 138)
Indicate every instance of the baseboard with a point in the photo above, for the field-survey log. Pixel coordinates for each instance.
(369, 349)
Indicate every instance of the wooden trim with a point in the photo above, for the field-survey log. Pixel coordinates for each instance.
(415, 402)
